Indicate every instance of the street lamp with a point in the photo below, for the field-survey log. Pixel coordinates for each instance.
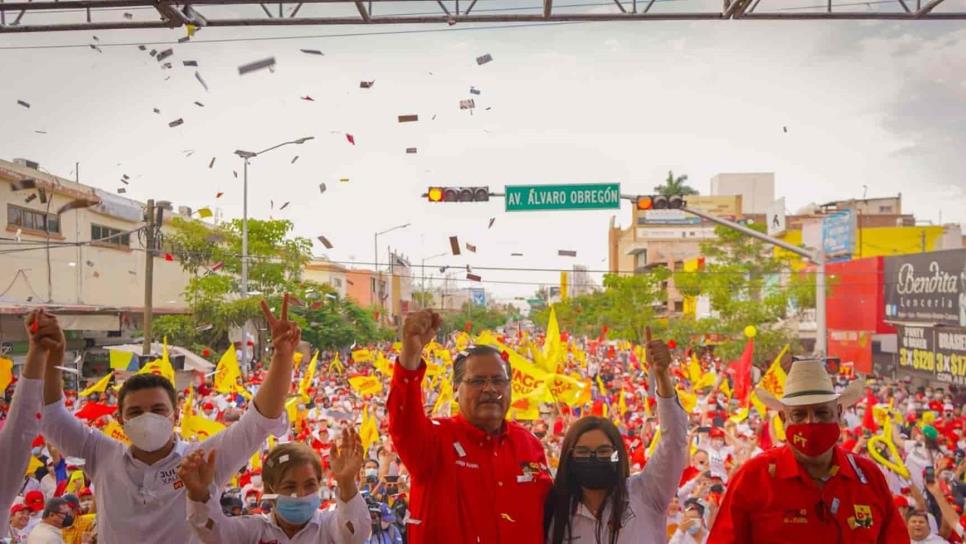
(247, 156)
(423, 281)
(376, 261)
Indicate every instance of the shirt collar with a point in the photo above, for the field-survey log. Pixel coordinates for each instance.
(180, 448)
(787, 465)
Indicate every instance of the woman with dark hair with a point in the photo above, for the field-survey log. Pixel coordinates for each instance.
(595, 500)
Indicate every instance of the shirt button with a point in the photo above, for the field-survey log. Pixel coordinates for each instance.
(499, 484)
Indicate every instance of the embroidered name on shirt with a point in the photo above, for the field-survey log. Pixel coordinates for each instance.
(460, 463)
(169, 476)
(796, 516)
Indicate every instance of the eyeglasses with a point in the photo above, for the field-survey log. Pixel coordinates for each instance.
(602, 452)
(498, 382)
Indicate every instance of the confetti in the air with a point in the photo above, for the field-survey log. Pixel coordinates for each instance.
(367, 84)
(325, 242)
(219, 194)
(471, 248)
(41, 131)
(516, 254)
(142, 48)
(408, 118)
(467, 104)
(121, 190)
(295, 158)
(199, 104)
(474, 90)
(156, 110)
(190, 63)
(176, 122)
(308, 98)
(129, 16)
(473, 277)
(351, 138)
(454, 245)
(411, 150)
(24, 104)
(322, 188)
(153, 52)
(492, 220)
(164, 54)
(212, 163)
(257, 65)
(484, 59)
(184, 39)
(312, 52)
(283, 206)
(566, 253)
(343, 180)
(235, 173)
(203, 84)
(96, 48)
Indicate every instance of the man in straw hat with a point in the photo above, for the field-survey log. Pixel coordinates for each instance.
(809, 490)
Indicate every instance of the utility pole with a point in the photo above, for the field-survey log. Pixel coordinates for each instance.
(148, 275)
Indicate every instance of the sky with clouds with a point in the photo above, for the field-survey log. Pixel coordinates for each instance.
(876, 106)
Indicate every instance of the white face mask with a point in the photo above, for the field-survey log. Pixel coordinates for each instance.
(149, 432)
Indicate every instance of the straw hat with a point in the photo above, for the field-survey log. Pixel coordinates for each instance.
(809, 383)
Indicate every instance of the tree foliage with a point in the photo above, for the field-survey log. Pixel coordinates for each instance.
(474, 318)
(675, 186)
(212, 255)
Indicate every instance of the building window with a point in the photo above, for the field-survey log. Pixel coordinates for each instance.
(31, 219)
(679, 306)
(885, 209)
(336, 282)
(109, 236)
(372, 284)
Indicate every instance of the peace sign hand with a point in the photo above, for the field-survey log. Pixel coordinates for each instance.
(286, 335)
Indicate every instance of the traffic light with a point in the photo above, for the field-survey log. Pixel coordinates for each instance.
(458, 194)
(660, 202)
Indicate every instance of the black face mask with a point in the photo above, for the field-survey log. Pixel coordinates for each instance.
(594, 473)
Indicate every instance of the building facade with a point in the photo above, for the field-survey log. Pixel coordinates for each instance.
(328, 273)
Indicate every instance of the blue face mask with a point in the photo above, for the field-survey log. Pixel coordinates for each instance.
(693, 530)
(297, 510)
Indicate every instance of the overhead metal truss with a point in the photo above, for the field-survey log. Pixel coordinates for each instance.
(47, 15)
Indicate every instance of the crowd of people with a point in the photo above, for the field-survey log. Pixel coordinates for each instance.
(426, 441)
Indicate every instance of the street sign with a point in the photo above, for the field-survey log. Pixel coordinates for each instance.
(478, 296)
(775, 216)
(838, 234)
(592, 196)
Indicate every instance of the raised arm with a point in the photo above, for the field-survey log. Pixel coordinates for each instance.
(22, 423)
(658, 482)
(351, 523)
(58, 426)
(413, 434)
(207, 521)
(286, 335)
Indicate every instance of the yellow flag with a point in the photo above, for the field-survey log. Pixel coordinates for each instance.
(306, 381)
(227, 374)
(188, 408)
(462, 341)
(336, 364)
(527, 407)
(162, 366)
(740, 416)
(774, 379)
(694, 370)
(362, 356)
(199, 427)
(553, 352)
(622, 403)
(114, 430)
(759, 406)
(444, 399)
(369, 430)
(779, 428)
(295, 414)
(688, 400)
(121, 360)
(75, 483)
(6, 373)
(382, 365)
(98, 387)
(204, 213)
(365, 385)
(725, 388)
(600, 385)
(569, 390)
(33, 465)
(255, 463)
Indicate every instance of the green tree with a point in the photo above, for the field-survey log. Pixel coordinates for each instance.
(746, 285)
(423, 299)
(479, 318)
(675, 186)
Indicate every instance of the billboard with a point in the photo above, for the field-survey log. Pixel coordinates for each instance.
(936, 354)
(838, 234)
(927, 287)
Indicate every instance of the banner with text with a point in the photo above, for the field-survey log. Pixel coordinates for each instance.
(933, 353)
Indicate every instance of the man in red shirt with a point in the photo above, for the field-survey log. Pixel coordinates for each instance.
(476, 478)
(810, 490)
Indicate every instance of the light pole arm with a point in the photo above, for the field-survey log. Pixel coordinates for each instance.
(808, 253)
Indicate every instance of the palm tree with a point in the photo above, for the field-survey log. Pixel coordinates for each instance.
(675, 186)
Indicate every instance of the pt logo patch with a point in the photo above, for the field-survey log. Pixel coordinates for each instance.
(862, 518)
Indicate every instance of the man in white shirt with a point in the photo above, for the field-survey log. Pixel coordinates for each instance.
(23, 422)
(57, 515)
(139, 495)
(919, 531)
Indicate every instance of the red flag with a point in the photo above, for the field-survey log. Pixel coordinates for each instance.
(868, 420)
(603, 334)
(742, 370)
(765, 441)
(351, 138)
(95, 410)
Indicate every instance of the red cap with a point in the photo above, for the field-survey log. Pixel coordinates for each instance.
(38, 442)
(716, 432)
(18, 508)
(86, 492)
(900, 501)
(208, 405)
(34, 500)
